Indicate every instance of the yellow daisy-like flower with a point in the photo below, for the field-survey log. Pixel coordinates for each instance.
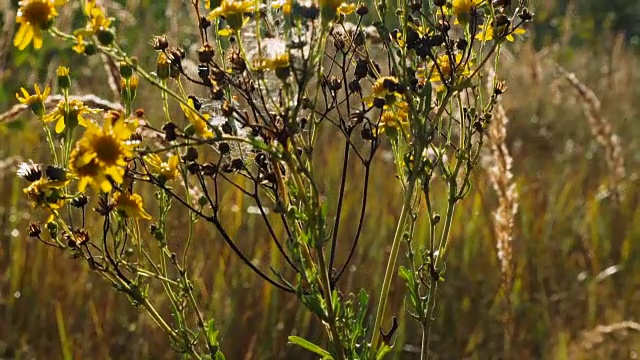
(130, 205)
(98, 24)
(97, 19)
(346, 9)
(463, 7)
(100, 155)
(33, 17)
(445, 68)
(167, 170)
(77, 110)
(46, 193)
(278, 62)
(395, 117)
(199, 124)
(233, 12)
(382, 87)
(385, 87)
(35, 101)
(489, 34)
(80, 46)
(285, 5)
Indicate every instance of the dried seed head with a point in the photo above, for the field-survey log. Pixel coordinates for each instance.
(80, 201)
(499, 88)
(362, 10)
(193, 168)
(105, 205)
(34, 230)
(209, 169)
(29, 171)
(169, 131)
(224, 148)
(206, 53)
(160, 42)
(81, 236)
(190, 155)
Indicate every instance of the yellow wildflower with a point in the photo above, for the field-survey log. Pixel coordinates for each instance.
(35, 101)
(80, 46)
(396, 117)
(98, 24)
(77, 110)
(196, 119)
(489, 32)
(97, 18)
(33, 17)
(130, 205)
(346, 9)
(285, 5)
(277, 62)
(232, 11)
(445, 68)
(463, 7)
(167, 170)
(46, 193)
(64, 80)
(100, 155)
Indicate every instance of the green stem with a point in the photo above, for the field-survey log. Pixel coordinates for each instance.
(391, 264)
(326, 288)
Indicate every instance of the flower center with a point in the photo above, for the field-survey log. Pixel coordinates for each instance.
(107, 149)
(37, 12)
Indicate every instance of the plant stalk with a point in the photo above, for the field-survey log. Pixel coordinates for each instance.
(391, 264)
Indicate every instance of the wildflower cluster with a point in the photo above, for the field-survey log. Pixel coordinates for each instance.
(270, 79)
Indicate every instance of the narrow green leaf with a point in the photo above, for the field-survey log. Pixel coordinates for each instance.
(310, 346)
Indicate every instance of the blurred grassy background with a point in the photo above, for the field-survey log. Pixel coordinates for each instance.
(576, 250)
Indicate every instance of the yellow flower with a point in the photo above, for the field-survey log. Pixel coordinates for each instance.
(232, 11)
(80, 46)
(394, 119)
(463, 7)
(445, 68)
(130, 205)
(77, 110)
(46, 193)
(33, 17)
(100, 155)
(195, 118)
(329, 9)
(488, 34)
(97, 18)
(35, 101)
(62, 71)
(285, 5)
(385, 87)
(346, 9)
(280, 61)
(167, 170)
(64, 81)
(98, 24)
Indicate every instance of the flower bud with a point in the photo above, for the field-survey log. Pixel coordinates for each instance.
(163, 67)
(125, 70)
(64, 81)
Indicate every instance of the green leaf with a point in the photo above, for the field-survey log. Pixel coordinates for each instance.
(310, 346)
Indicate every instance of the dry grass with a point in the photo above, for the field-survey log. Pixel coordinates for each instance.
(501, 178)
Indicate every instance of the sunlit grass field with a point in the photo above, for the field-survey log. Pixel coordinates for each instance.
(576, 245)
